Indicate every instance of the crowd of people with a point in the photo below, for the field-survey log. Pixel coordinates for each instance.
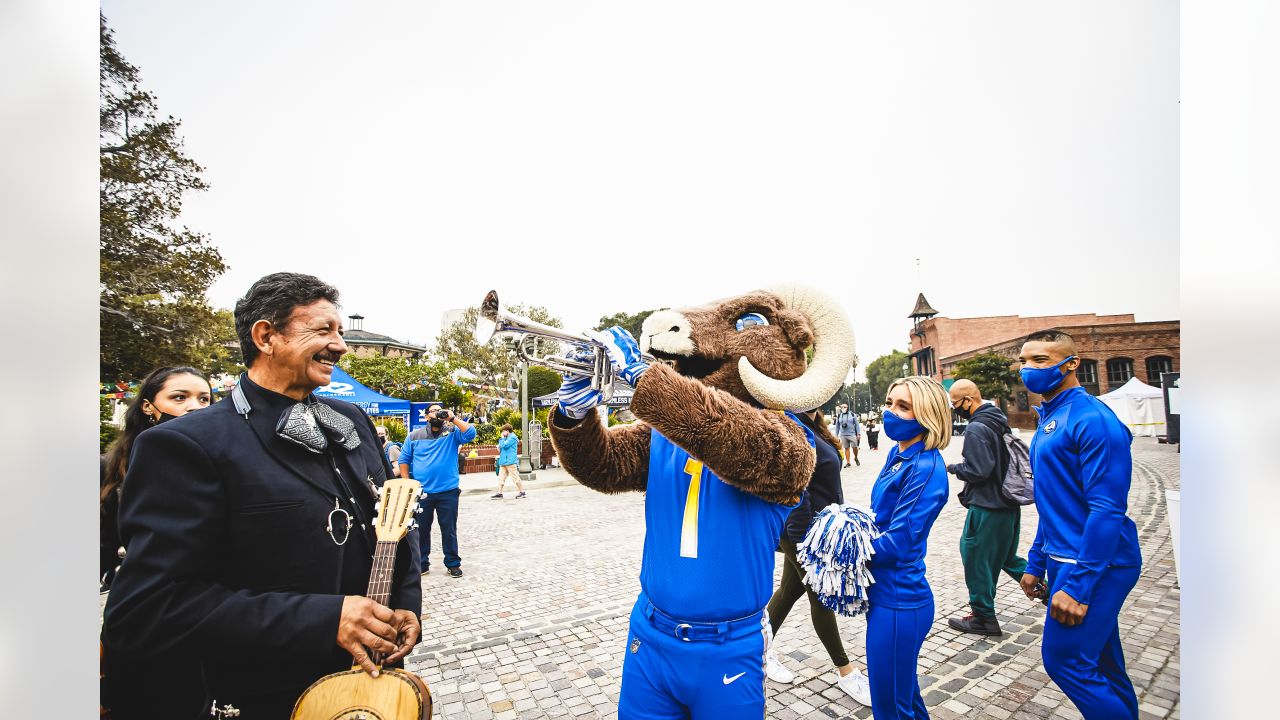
(238, 535)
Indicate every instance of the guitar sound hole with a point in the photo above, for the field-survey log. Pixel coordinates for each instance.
(358, 714)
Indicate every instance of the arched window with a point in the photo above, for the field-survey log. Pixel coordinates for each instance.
(1087, 374)
(1157, 365)
(1119, 370)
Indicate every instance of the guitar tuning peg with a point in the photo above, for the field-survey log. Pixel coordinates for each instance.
(377, 507)
(417, 511)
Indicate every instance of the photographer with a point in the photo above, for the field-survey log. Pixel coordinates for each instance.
(430, 456)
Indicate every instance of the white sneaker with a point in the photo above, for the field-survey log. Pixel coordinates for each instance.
(856, 686)
(774, 669)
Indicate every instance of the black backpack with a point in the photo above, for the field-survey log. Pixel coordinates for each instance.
(1017, 485)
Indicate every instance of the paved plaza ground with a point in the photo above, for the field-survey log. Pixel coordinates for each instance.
(537, 627)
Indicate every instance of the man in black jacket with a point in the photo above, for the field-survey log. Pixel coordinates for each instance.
(250, 526)
(989, 541)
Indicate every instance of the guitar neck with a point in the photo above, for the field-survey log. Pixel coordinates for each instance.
(384, 563)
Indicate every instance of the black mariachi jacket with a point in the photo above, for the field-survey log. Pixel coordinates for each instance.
(229, 561)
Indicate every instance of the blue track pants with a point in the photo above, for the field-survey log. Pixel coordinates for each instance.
(666, 678)
(1087, 661)
(894, 638)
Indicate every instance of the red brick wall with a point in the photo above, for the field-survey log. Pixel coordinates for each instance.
(953, 336)
(488, 456)
(1137, 341)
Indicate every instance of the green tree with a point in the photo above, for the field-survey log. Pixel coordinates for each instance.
(543, 381)
(883, 371)
(494, 363)
(153, 273)
(855, 394)
(631, 322)
(992, 374)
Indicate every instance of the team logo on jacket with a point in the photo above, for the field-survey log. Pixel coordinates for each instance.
(635, 645)
(1053, 425)
(896, 467)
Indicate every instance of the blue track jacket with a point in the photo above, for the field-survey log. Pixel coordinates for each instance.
(906, 499)
(1082, 464)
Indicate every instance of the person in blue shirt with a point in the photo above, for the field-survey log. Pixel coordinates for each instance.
(1085, 544)
(430, 456)
(507, 462)
(906, 499)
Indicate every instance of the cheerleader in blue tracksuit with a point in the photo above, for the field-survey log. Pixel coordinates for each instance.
(1088, 547)
(906, 499)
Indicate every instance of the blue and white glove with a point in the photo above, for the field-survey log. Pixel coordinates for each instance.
(576, 397)
(624, 353)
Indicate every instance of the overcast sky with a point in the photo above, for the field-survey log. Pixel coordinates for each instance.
(598, 157)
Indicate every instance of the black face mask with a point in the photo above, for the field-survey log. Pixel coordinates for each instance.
(164, 417)
(964, 414)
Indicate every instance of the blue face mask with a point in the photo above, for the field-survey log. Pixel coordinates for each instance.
(895, 428)
(1043, 380)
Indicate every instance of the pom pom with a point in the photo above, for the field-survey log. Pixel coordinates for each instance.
(834, 556)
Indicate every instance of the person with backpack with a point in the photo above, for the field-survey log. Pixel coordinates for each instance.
(989, 540)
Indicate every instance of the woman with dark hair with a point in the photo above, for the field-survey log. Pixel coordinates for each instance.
(824, 489)
(165, 394)
(171, 688)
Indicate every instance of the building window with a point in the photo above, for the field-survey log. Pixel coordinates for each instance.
(1157, 366)
(1087, 374)
(1119, 370)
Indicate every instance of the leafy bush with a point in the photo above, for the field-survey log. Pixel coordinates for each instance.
(396, 431)
(505, 415)
(107, 430)
(487, 434)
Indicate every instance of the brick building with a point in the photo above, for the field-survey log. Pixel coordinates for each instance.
(369, 344)
(1112, 349)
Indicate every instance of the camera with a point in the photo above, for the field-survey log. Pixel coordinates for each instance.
(440, 415)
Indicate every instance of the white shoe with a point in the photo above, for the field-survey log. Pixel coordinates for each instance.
(856, 686)
(774, 669)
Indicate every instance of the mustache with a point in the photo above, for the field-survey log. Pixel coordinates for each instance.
(324, 355)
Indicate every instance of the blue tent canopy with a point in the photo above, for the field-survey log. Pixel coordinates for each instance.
(344, 387)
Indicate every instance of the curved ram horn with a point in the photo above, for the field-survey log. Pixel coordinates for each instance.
(833, 352)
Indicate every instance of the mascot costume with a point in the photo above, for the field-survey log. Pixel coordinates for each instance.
(721, 461)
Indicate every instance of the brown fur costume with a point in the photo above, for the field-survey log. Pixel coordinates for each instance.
(703, 405)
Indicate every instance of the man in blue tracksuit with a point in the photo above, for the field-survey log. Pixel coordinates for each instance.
(1086, 544)
(430, 456)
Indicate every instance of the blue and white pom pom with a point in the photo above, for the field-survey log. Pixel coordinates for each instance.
(834, 556)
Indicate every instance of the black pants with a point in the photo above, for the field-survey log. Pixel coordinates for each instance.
(789, 590)
(873, 439)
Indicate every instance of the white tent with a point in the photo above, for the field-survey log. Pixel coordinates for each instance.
(1139, 406)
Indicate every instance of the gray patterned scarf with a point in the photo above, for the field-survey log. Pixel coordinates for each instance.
(313, 425)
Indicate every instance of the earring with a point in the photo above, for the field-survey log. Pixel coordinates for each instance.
(151, 419)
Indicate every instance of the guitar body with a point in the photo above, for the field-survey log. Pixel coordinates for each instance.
(353, 695)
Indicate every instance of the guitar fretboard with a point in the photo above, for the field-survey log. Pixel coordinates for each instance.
(384, 562)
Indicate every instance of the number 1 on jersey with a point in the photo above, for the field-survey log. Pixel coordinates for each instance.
(689, 532)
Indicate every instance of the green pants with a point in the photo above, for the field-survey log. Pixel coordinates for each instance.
(989, 544)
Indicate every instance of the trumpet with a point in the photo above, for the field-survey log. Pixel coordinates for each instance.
(494, 319)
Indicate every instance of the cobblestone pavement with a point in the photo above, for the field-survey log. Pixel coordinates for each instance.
(537, 626)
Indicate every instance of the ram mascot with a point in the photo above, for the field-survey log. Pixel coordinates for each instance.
(722, 461)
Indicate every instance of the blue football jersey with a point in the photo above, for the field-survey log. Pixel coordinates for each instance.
(708, 546)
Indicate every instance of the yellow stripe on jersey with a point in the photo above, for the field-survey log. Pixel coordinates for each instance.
(689, 533)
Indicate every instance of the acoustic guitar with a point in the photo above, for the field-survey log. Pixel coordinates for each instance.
(394, 694)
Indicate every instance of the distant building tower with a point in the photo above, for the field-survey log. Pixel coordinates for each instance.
(370, 344)
(921, 352)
